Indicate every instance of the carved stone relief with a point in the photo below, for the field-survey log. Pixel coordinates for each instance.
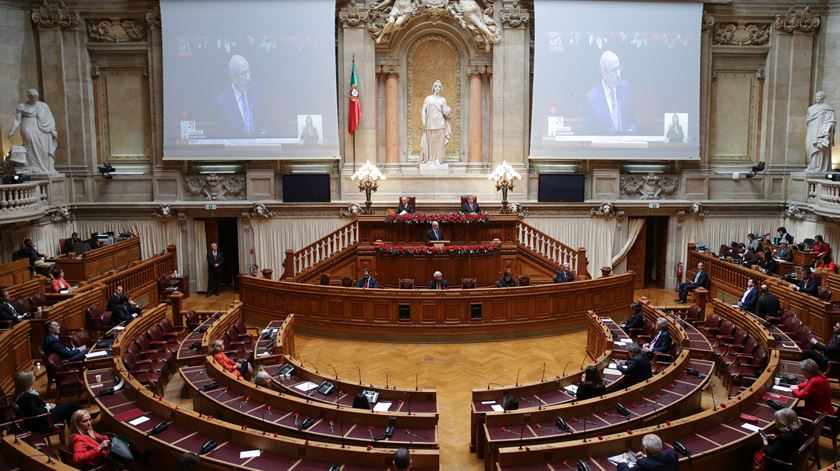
(353, 16)
(116, 30)
(153, 18)
(732, 34)
(215, 187)
(47, 16)
(793, 22)
(515, 17)
(648, 187)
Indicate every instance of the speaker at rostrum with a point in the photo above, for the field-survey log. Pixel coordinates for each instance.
(306, 188)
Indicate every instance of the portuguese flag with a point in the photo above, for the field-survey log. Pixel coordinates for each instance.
(354, 112)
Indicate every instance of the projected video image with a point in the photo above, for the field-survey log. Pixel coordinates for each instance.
(246, 85)
(616, 80)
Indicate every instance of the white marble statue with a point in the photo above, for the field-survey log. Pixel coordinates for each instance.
(473, 17)
(37, 130)
(435, 116)
(819, 137)
(400, 13)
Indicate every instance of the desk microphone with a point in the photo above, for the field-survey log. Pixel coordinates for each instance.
(525, 419)
(334, 371)
(360, 374)
(415, 435)
(517, 376)
(303, 362)
(337, 397)
(341, 430)
(416, 387)
(543, 374)
(409, 403)
(386, 380)
(714, 403)
(563, 374)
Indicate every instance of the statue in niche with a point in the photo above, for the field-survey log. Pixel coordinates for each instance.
(38, 132)
(435, 117)
(400, 13)
(480, 22)
(819, 137)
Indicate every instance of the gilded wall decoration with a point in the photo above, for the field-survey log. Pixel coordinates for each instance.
(116, 31)
(648, 187)
(732, 34)
(793, 22)
(46, 16)
(214, 187)
(430, 58)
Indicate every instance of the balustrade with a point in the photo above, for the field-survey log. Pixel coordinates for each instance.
(23, 200)
(824, 196)
(336, 242)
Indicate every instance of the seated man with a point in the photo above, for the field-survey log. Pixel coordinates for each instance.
(636, 319)
(8, 311)
(823, 353)
(700, 279)
(768, 304)
(637, 368)
(125, 311)
(438, 282)
(785, 253)
(434, 233)
(653, 458)
(808, 284)
(507, 280)
(52, 344)
(36, 259)
(783, 235)
(565, 274)
(405, 206)
(68, 243)
(749, 298)
(470, 206)
(114, 300)
(661, 342)
(402, 459)
(367, 280)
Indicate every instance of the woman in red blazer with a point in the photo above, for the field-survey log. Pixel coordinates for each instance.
(815, 392)
(90, 449)
(239, 368)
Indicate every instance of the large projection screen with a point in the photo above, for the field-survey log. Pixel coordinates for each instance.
(250, 79)
(616, 80)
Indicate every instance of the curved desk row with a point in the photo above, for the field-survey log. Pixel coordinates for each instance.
(18, 450)
(192, 350)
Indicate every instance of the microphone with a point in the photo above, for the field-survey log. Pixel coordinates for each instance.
(416, 387)
(543, 374)
(714, 403)
(334, 371)
(341, 429)
(409, 403)
(360, 374)
(525, 419)
(564, 369)
(517, 376)
(386, 380)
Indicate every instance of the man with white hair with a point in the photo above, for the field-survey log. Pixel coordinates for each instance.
(239, 105)
(653, 458)
(565, 274)
(610, 102)
(263, 379)
(438, 282)
(434, 233)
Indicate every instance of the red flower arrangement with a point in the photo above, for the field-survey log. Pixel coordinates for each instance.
(427, 250)
(443, 218)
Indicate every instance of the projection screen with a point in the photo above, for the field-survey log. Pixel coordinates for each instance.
(616, 80)
(250, 79)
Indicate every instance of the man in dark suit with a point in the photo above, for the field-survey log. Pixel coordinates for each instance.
(637, 368)
(700, 279)
(661, 342)
(434, 233)
(367, 280)
(653, 458)
(636, 319)
(438, 282)
(565, 274)
(125, 311)
(749, 298)
(822, 353)
(8, 311)
(610, 103)
(768, 304)
(69, 242)
(215, 260)
(405, 206)
(808, 284)
(238, 105)
(470, 206)
(114, 300)
(52, 344)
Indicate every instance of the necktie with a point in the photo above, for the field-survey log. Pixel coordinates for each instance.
(367, 282)
(616, 117)
(246, 115)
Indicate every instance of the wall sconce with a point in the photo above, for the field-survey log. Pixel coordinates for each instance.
(505, 176)
(369, 177)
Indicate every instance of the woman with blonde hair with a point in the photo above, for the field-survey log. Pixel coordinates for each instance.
(783, 445)
(90, 449)
(33, 407)
(239, 368)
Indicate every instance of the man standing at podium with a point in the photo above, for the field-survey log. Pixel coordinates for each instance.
(434, 233)
(215, 259)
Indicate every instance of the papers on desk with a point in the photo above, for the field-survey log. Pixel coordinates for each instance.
(751, 427)
(263, 354)
(612, 365)
(382, 406)
(620, 344)
(249, 454)
(119, 327)
(628, 458)
(571, 389)
(611, 371)
(789, 345)
(307, 386)
(138, 421)
(100, 353)
(628, 341)
(488, 402)
(781, 388)
(497, 408)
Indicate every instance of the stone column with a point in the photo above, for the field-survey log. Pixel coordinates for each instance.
(788, 89)
(355, 41)
(476, 150)
(705, 87)
(511, 86)
(392, 122)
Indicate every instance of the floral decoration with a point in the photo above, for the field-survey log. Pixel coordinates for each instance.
(429, 250)
(443, 218)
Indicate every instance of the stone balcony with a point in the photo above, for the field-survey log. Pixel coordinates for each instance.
(23, 201)
(824, 197)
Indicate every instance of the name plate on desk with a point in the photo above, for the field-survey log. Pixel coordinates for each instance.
(439, 244)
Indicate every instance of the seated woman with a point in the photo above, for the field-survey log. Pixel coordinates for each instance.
(90, 449)
(591, 385)
(820, 245)
(31, 404)
(815, 392)
(784, 444)
(767, 264)
(824, 262)
(239, 368)
(59, 284)
(507, 280)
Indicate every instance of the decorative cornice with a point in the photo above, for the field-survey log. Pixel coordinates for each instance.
(389, 70)
(153, 18)
(476, 69)
(793, 22)
(515, 17)
(352, 16)
(46, 16)
(708, 23)
(115, 30)
(733, 34)
(652, 186)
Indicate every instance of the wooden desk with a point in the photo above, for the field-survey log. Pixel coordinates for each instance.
(95, 263)
(15, 273)
(14, 353)
(18, 450)
(191, 350)
(799, 257)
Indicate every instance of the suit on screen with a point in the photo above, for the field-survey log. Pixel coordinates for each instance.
(598, 115)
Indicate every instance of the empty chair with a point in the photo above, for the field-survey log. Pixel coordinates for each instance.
(467, 283)
(524, 281)
(97, 318)
(711, 325)
(67, 379)
(347, 282)
(749, 347)
(325, 279)
(799, 460)
(406, 283)
(722, 346)
(81, 338)
(694, 315)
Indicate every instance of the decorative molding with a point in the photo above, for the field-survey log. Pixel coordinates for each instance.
(389, 70)
(214, 187)
(607, 209)
(794, 211)
(733, 34)
(259, 210)
(476, 69)
(164, 211)
(353, 16)
(115, 30)
(518, 209)
(46, 16)
(153, 18)
(648, 187)
(61, 214)
(352, 210)
(708, 23)
(515, 17)
(793, 22)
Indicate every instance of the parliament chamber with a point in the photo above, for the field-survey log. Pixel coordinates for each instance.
(419, 234)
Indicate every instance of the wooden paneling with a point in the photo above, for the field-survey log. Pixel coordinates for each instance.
(14, 273)
(14, 353)
(95, 263)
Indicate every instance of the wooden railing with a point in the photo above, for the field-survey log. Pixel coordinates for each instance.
(23, 199)
(141, 278)
(96, 263)
(551, 249)
(334, 243)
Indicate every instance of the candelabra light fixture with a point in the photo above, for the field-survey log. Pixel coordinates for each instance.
(505, 176)
(369, 177)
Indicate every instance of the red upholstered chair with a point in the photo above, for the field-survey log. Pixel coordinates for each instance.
(694, 315)
(194, 319)
(799, 461)
(158, 337)
(245, 331)
(721, 347)
(749, 347)
(791, 326)
(97, 318)
(325, 279)
(524, 281)
(747, 368)
(39, 300)
(158, 348)
(67, 379)
(644, 333)
(81, 338)
(24, 305)
(467, 283)
(783, 316)
(9, 413)
(142, 371)
(825, 294)
(148, 358)
(711, 326)
(726, 331)
(347, 282)
(406, 283)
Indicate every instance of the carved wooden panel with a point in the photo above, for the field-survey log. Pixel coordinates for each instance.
(123, 115)
(734, 116)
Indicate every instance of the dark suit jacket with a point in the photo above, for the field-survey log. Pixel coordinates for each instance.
(587, 390)
(665, 461)
(598, 117)
(767, 306)
(809, 285)
(750, 301)
(8, 312)
(121, 313)
(373, 283)
(563, 277)
(785, 445)
(52, 344)
(465, 208)
(229, 123)
(636, 321)
(32, 254)
(113, 302)
(663, 342)
(31, 405)
(211, 262)
(636, 370)
(768, 266)
(832, 349)
(430, 235)
(408, 209)
(433, 284)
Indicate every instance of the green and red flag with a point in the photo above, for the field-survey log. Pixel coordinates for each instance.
(354, 112)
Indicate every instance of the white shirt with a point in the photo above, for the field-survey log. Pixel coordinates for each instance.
(746, 293)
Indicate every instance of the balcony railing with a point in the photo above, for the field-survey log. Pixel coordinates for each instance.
(824, 196)
(23, 201)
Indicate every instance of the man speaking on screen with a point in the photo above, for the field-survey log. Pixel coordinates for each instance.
(609, 104)
(238, 105)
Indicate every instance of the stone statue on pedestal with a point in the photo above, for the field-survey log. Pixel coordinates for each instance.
(37, 130)
(435, 117)
(819, 137)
